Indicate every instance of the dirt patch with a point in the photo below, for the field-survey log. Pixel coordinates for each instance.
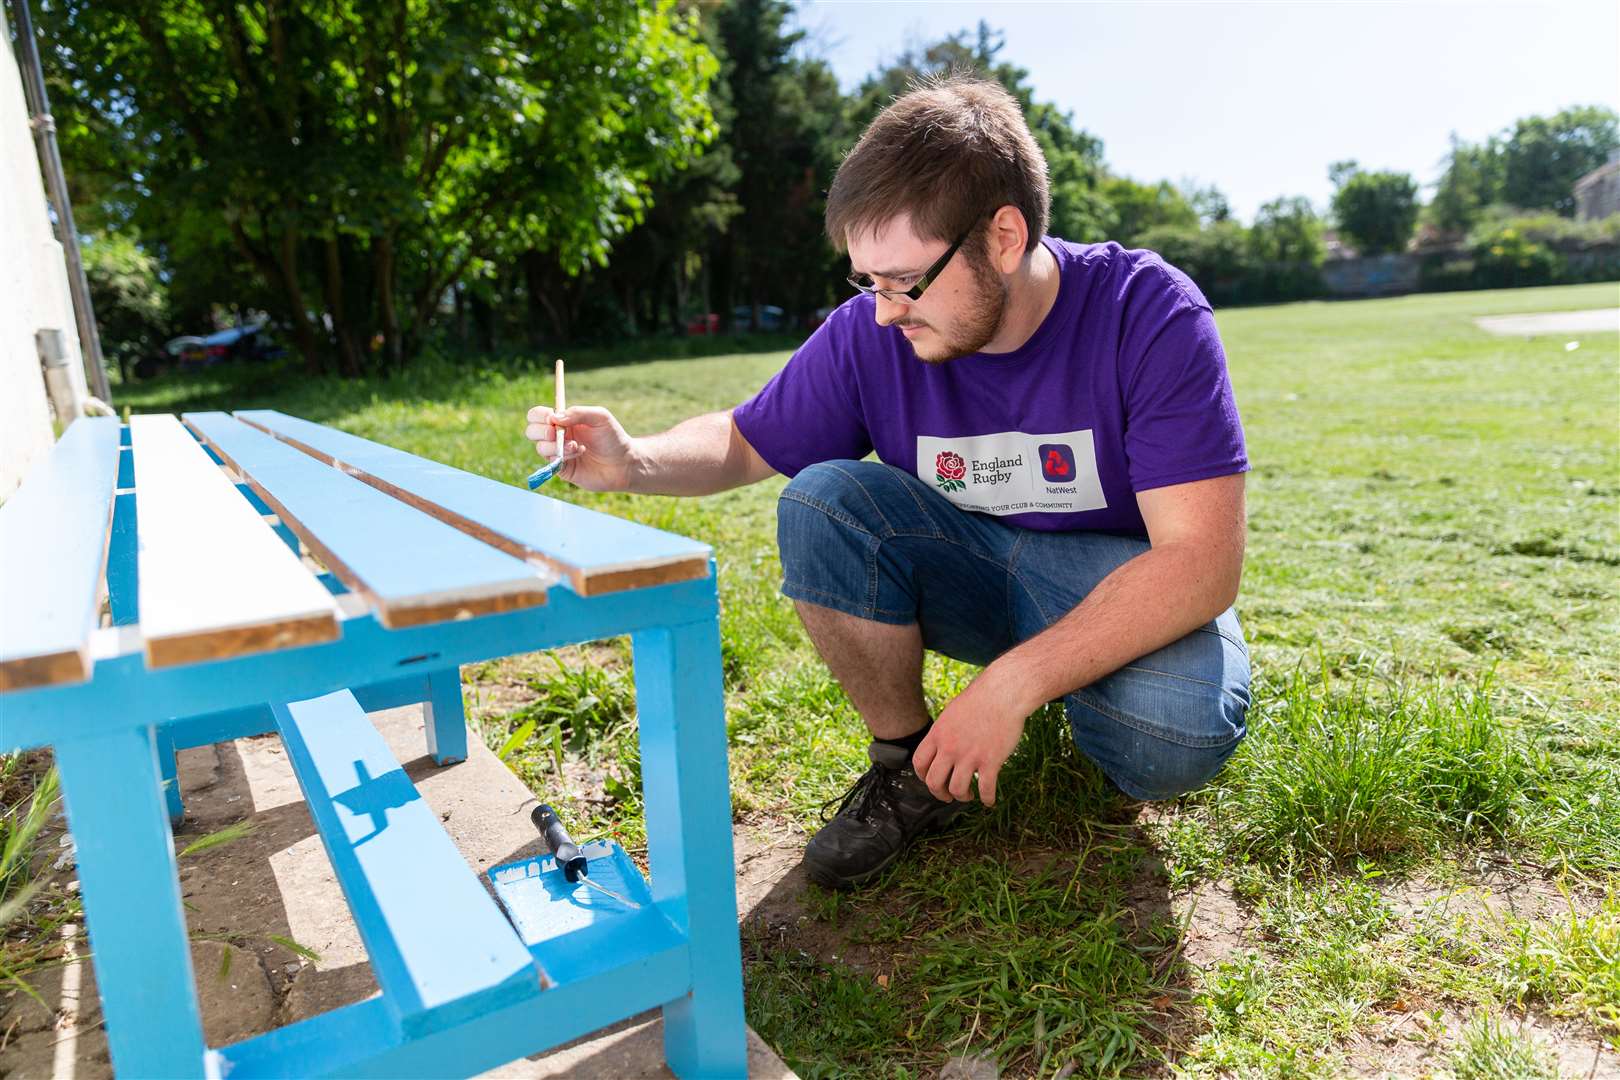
(1417, 1040)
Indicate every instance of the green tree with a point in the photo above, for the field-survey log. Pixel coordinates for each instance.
(786, 131)
(1472, 180)
(1074, 157)
(362, 158)
(1137, 208)
(1376, 210)
(1287, 230)
(131, 300)
(1543, 156)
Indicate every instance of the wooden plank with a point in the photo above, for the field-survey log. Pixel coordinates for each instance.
(595, 553)
(436, 941)
(410, 568)
(214, 579)
(53, 536)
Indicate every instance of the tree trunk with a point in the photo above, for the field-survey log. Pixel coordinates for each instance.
(350, 357)
(382, 250)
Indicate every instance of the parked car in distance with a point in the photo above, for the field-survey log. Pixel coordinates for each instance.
(703, 325)
(771, 318)
(246, 342)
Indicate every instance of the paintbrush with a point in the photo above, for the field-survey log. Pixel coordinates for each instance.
(551, 468)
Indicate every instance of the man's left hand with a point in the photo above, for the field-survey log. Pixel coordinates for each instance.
(976, 733)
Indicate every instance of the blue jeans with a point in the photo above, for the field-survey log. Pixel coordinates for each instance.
(872, 541)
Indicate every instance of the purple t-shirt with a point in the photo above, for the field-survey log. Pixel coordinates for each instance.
(1122, 388)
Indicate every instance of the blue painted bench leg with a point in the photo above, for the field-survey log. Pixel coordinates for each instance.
(131, 892)
(443, 718)
(684, 777)
(169, 768)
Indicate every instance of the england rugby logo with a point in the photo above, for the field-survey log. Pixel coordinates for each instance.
(949, 469)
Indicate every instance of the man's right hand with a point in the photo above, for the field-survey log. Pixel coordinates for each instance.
(598, 455)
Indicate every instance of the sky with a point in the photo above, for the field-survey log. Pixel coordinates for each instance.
(1259, 98)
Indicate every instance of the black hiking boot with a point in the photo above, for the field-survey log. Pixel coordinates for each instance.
(879, 817)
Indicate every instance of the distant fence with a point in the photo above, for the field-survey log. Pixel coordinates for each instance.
(1461, 267)
(1371, 275)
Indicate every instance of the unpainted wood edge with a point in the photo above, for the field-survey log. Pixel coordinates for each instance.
(391, 615)
(193, 648)
(643, 577)
(399, 616)
(582, 582)
(46, 669)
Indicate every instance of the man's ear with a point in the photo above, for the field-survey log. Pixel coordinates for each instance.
(1009, 233)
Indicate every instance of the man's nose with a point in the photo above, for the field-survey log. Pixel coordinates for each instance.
(888, 312)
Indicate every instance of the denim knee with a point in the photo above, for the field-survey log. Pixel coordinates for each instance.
(1159, 735)
(828, 531)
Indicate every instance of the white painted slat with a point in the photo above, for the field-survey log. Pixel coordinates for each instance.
(53, 547)
(215, 581)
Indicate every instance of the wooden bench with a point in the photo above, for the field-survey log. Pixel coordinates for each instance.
(175, 583)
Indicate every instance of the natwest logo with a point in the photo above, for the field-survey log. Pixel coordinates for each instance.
(949, 469)
(1057, 462)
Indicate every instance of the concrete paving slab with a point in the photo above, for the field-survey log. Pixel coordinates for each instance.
(256, 896)
(1590, 321)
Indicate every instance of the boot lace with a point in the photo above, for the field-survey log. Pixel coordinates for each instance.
(873, 790)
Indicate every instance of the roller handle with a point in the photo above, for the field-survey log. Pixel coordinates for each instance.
(561, 844)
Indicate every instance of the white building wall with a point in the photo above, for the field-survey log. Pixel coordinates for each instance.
(33, 285)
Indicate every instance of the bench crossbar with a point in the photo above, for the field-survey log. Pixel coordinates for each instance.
(440, 948)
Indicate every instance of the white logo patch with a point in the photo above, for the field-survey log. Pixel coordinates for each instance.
(1014, 472)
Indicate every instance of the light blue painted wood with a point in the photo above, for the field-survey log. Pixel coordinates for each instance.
(53, 531)
(123, 693)
(360, 1041)
(405, 562)
(444, 717)
(210, 728)
(587, 546)
(574, 930)
(440, 948)
(131, 893)
(169, 775)
(681, 716)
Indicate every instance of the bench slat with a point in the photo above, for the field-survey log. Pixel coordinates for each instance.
(53, 546)
(439, 946)
(410, 567)
(595, 553)
(215, 581)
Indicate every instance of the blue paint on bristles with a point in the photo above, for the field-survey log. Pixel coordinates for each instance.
(544, 473)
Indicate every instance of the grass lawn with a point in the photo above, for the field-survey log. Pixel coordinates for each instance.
(1410, 865)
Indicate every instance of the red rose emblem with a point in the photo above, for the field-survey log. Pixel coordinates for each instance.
(949, 469)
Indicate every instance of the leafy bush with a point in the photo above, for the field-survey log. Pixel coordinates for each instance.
(1506, 257)
(1216, 257)
(131, 300)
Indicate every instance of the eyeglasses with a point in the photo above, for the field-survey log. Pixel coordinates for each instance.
(864, 282)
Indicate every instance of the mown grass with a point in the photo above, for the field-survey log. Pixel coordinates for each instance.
(1431, 597)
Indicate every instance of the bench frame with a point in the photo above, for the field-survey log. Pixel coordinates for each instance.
(127, 720)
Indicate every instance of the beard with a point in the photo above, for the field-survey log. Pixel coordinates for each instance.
(974, 330)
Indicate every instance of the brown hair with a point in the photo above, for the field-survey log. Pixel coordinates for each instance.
(948, 152)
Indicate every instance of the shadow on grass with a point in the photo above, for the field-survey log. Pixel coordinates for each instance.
(1039, 933)
(439, 374)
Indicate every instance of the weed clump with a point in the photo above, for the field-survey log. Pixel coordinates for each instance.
(1331, 776)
